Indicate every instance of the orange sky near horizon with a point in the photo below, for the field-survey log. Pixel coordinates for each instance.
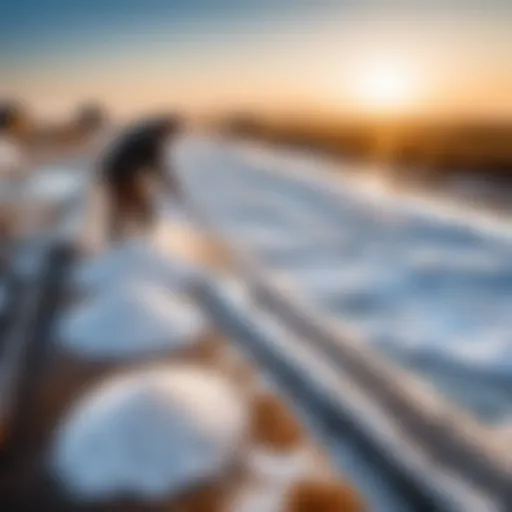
(358, 63)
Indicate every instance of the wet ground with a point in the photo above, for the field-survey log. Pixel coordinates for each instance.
(429, 289)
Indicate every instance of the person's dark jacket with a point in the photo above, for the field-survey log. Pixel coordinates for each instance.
(141, 149)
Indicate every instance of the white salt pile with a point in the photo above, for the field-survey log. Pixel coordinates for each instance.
(130, 320)
(150, 434)
(134, 257)
(52, 185)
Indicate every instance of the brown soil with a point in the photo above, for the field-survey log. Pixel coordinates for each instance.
(273, 425)
(310, 496)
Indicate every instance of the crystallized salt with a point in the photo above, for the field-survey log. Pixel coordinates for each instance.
(134, 257)
(151, 434)
(130, 320)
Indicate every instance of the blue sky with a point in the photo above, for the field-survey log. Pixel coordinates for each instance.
(28, 29)
(57, 51)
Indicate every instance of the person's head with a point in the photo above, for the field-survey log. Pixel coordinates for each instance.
(154, 129)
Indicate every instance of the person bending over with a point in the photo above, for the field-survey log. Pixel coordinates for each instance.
(132, 166)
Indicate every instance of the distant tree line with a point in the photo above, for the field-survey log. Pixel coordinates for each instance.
(429, 151)
(17, 121)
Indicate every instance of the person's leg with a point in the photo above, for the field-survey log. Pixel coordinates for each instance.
(139, 199)
(130, 201)
(119, 203)
(147, 212)
(144, 201)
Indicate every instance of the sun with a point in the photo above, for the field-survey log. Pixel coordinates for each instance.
(385, 87)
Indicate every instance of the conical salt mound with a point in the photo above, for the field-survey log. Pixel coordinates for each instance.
(150, 434)
(130, 320)
(135, 257)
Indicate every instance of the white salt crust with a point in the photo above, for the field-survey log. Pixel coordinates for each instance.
(136, 257)
(131, 320)
(152, 433)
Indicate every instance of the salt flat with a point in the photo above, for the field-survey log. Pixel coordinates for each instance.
(426, 287)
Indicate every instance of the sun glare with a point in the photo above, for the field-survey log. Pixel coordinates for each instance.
(384, 87)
